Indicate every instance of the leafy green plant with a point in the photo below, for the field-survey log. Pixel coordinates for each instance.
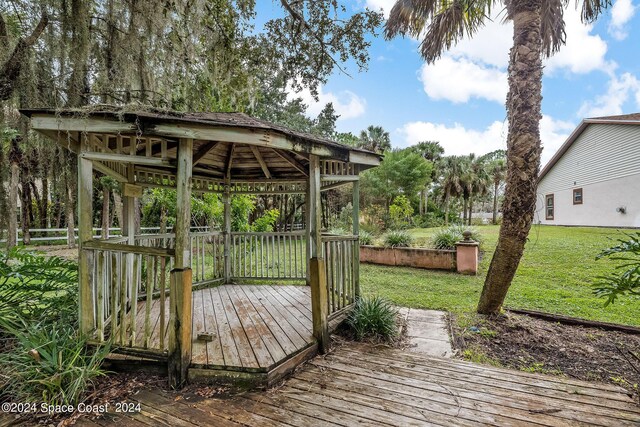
(446, 238)
(625, 279)
(373, 317)
(398, 239)
(266, 222)
(366, 238)
(35, 288)
(48, 362)
(400, 212)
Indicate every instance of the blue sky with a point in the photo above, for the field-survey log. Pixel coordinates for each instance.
(459, 100)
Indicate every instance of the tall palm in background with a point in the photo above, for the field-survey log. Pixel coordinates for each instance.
(480, 182)
(431, 151)
(375, 138)
(538, 29)
(451, 180)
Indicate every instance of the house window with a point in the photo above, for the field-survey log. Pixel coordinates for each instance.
(577, 196)
(548, 205)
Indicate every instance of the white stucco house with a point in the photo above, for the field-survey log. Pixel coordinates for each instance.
(594, 178)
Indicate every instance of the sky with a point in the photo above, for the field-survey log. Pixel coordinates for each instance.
(459, 99)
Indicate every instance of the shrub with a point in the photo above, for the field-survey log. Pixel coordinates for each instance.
(35, 288)
(373, 318)
(625, 279)
(48, 362)
(398, 239)
(266, 222)
(429, 220)
(400, 212)
(446, 238)
(337, 231)
(366, 238)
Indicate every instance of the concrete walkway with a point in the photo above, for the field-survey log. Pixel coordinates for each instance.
(427, 332)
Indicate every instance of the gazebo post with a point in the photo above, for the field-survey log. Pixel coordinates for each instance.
(356, 232)
(85, 233)
(180, 282)
(226, 232)
(317, 273)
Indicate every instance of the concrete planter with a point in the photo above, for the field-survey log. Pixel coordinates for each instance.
(464, 259)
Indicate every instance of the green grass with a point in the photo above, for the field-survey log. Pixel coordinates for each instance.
(555, 276)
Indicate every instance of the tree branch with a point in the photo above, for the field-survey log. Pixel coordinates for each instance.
(10, 70)
(296, 16)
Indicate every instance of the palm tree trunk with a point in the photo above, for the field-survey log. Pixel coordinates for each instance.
(523, 152)
(446, 208)
(470, 209)
(464, 209)
(495, 203)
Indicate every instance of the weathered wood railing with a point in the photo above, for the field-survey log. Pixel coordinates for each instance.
(341, 260)
(280, 256)
(125, 275)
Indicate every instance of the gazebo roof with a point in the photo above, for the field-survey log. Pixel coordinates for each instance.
(234, 144)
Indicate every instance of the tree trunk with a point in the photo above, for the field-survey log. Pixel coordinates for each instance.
(523, 152)
(117, 207)
(105, 212)
(470, 209)
(70, 216)
(25, 199)
(465, 202)
(446, 208)
(495, 203)
(12, 232)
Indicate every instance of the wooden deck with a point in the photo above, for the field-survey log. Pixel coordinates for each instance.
(254, 328)
(359, 386)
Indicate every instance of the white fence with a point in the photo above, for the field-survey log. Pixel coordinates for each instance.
(61, 234)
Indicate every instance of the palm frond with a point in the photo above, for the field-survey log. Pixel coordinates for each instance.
(552, 26)
(446, 22)
(592, 9)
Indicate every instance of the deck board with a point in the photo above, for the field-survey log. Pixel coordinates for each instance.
(252, 326)
(361, 385)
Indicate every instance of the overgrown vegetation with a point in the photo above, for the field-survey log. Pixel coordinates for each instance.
(625, 279)
(374, 318)
(398, 239)
(42, 357)
(446, 238)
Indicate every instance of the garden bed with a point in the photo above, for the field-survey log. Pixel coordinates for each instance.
(536, 345)
(435, 259)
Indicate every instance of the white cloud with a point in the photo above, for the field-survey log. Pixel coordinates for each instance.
(584, 52)
(621, 13)
(458, 140)
(347, 104)
(611, 103)
(459, 79)
(490, 45)
(385, 5)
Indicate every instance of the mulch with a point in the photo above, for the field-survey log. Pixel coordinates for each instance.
(536, 345)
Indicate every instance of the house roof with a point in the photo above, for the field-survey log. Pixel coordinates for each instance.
(623, 119)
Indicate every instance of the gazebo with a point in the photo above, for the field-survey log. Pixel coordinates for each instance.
(183, 297)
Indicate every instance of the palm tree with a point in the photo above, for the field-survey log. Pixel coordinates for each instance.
(480, 183)
(497, 169)
(375, 138)
(451, 181)
(538, 29)
(431, 151)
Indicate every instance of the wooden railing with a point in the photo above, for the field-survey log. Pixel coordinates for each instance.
(125, 275)
(280, 256)
(341, 260)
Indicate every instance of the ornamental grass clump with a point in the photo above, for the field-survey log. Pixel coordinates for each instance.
(446, 238)
(398, 239)
(374, 318)
(366, 238)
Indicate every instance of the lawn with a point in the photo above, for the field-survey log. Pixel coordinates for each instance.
(555, 276)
